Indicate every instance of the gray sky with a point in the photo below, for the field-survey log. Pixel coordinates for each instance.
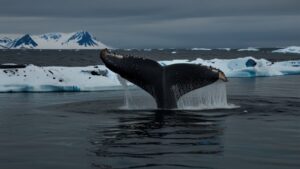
(161, 23)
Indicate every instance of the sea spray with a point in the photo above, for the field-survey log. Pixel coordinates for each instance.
(213, 96)
(135, 97)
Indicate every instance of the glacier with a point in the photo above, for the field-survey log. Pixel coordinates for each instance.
(74, 40)
(33, 78)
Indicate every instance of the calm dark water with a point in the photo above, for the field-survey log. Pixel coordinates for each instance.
(88, 130)
(91, 57)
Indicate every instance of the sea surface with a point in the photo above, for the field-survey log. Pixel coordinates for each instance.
(83, 130)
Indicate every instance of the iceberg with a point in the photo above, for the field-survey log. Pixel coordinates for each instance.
(196, 49)
(226, 49)
(31, 78)
(291, 49)
(54, 79)
(247, 66)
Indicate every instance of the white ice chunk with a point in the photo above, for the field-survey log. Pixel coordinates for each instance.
(291, 49)
(247, 66)
(95, 78)
(48, 79)
(251, 49)
(196, 49)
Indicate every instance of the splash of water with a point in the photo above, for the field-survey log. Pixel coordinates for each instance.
(136, 98)
(213, 96)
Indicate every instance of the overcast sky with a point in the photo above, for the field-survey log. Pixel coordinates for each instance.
(161, 23)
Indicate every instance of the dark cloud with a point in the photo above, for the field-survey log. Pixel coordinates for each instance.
(161, 23)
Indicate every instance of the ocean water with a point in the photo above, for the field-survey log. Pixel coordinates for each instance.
(91, 130)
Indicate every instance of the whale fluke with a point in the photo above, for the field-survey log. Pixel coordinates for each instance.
(166, 84)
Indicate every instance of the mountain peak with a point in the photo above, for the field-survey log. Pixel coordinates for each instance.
(83, 38)
(77, 40)
(24, 42)
(51, 36)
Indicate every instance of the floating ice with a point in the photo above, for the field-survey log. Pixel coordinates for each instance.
(252, 49)
(47, 79)
(291, 49)
(247, 66)
(196, 49)
(31, 78)
(227, 49)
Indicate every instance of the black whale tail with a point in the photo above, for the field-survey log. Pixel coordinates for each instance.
(166, 84)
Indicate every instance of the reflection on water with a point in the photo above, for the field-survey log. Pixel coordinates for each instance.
(158, 137)
(79, 130)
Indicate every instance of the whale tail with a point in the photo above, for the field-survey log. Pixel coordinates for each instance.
(166, 84)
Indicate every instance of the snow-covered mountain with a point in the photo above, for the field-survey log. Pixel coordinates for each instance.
(75, 40)
(83, 39)
(24, 42)
(4, 41)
